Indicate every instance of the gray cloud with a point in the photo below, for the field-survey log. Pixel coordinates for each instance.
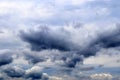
(70, 57)
(5, 58)
(1, 77)
(109, 40)
(46, 40)
(36, 73)
(70, 39)
(14, 71)
(34, 58)
(56, 46)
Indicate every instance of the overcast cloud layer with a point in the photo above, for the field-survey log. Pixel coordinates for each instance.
(59, 40)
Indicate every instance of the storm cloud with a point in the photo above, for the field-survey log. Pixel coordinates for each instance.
(46, 38)
(5, 58)
(81, 41)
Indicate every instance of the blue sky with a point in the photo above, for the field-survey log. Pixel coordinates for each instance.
(60, 39)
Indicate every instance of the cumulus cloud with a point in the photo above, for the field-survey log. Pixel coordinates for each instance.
(110, 40)
(32, 58)
(103, 76)
(79, 42)
(14, 71)
(5, 58)
(48, 40)
(58, 48)
(42, 58)
(36, 73)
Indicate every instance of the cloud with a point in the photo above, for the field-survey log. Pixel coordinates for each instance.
(110, 40)
(62, 48)
(1, 77)
(12, 41)
(14, 71)
(32, 58)
(78, 42)
(36, 73)
(55, 78)
(45, 76)
(103, 76)
(5, 58)
(48, 40)
(107, 57)
(26, 13)
(44, 57)
(72, 61)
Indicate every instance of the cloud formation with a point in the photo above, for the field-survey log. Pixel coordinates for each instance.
(14, 71)
(36, 73)
(79, 42)
(32, 58)
(72, 32)
(5, 58)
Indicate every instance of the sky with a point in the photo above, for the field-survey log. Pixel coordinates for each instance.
(59, 40)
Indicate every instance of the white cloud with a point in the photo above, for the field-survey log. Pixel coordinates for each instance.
(102, 76)
(55, 78)
(106, 57)
(25, 9)
(36, 69)
(20, 61)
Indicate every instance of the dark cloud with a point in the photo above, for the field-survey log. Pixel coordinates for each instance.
(109, 40)
(34, 58)
(45, 39)
(70, 39)
(72, 61)
(1, 77)
(14, 71)
(60, 39)
(34, 75)
(5, 58)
